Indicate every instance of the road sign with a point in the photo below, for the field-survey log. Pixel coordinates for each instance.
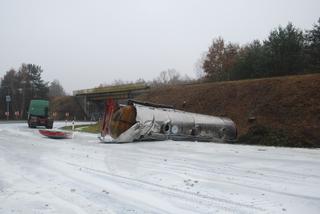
(8, 98)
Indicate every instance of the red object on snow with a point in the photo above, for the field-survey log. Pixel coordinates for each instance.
(55, 134)
(110, 107)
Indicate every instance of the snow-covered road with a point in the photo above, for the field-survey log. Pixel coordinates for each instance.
(81, 175)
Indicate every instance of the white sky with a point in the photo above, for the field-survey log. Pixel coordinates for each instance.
(83, 43)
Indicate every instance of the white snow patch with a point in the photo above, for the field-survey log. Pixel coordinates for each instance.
(81, 175)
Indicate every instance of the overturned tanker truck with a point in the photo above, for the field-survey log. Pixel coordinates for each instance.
(142, 121)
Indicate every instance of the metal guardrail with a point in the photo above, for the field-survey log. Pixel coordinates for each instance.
(112, 89)
(12, 121)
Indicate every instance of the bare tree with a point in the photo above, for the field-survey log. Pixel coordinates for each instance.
(140, 80)
(213, 63)
(169, 77)
(56, 89)
(220, 60)
(174, 76)
(119, 82)
(163, 78)
(198, 66)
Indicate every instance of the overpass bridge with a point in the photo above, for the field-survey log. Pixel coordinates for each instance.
(92, 100)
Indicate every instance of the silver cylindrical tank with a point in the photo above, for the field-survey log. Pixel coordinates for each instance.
(180, 125)
(160, 123)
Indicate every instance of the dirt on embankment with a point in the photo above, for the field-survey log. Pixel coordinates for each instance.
(282, 111)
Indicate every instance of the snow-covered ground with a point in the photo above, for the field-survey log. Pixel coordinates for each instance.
(81, 175)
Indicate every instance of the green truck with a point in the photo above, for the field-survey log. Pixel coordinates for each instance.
(38, 114)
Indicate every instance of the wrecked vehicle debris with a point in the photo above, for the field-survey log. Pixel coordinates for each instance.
(140, 121)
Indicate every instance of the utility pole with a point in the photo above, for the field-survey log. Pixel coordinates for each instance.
(23, 98)
(8, 100)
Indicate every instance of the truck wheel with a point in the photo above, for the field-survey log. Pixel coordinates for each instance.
(31, 126)
(49, 126)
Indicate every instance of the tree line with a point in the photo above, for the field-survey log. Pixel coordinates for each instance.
(287, 51)
(23, 85)
(166, 77)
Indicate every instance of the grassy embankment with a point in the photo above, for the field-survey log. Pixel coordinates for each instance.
(280, 111)
(90, 128)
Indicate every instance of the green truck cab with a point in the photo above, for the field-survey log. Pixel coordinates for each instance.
(38, 114)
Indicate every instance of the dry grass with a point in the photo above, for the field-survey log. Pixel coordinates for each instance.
(90, 128)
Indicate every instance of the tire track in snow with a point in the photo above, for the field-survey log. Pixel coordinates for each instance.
(236, 173)
(175, 190)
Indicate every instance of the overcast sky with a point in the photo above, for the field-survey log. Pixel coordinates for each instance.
(83, 43)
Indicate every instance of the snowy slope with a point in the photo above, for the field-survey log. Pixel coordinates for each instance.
(81, 175)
